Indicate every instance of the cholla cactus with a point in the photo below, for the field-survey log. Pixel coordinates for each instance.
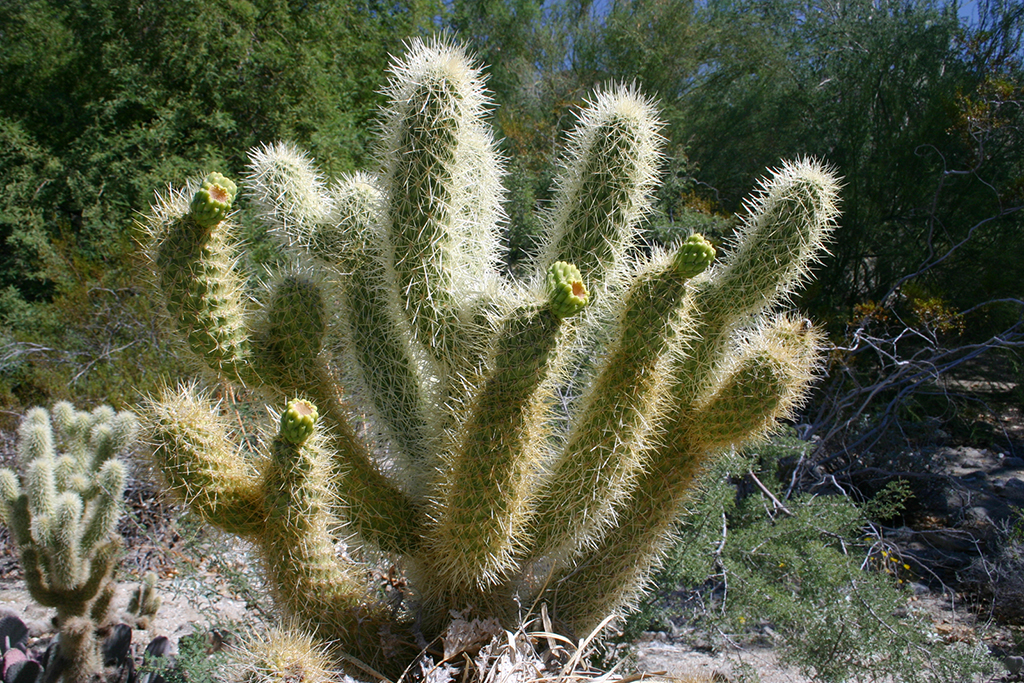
(529, 440)
(63, 518)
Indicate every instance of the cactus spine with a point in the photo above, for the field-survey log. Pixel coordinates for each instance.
(548, 425)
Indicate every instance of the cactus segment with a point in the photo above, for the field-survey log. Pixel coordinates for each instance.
(287, 342)
(145, 601)
(290, 193)
(442, 200)
(195, 269)
(383, 364)
(768, 378)
(567, 294)
(290, 651)
(211, 203)
(693, 256)
(483, 505)
(598, 464)
(298, 421)
(606, 183)
(200, 465)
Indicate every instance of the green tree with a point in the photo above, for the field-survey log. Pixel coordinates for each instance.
(102, 101)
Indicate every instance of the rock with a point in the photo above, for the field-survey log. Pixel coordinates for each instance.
(1013, 488)
(919, 588)
(973, 457)
(953, 540)
(977, 516)
(1013, 463)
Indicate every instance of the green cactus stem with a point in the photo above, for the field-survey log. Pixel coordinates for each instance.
(605, 184)
(194, 266)
(598, 465)
(145, 602)
(765, 385)
(483, 500)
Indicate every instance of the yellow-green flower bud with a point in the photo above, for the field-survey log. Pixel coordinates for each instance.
(298, 421)
(566, 291)
(694, 256)
(212, 201)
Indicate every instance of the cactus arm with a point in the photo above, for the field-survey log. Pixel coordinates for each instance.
(308, 579)
(783, 234)
(289, 193)
(375, 507)
(42, 498)
(379, 353)
(107, 505)
(597, 463)
(65, 545)
(765, 384)
(145, 601)
(201, 466)
(287, 341)
(442, 200)
(605, 184)
(71, 601)
(10, 492)
(35, 436)
(483, 495)
(195, 270)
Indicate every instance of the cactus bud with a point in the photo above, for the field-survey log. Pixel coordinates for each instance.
(298, 421)
(694, 256)
(212, 200)
(566, 291)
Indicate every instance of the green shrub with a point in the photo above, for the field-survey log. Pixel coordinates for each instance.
(804, 567)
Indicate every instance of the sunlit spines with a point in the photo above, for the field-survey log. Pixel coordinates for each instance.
(195, 270)
(63, 518)
(35, 436)
(383, 366)
(442, 199)
(283, 654)
(482, 504)
(765, 381)
(108, 503)
(785, 231)
(290, 195)
(605, 185)
(597, 464)
(288, 335)
(200, 465)
(310, 582)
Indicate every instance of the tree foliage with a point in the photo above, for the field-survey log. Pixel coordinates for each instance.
(103, 101)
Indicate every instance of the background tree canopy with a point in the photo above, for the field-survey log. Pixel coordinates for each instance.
(104, 101)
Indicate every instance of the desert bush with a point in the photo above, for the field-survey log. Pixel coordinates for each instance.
(805, 571)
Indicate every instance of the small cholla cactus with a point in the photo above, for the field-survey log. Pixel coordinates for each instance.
(528, 440)
(145, 601)
(63, 517)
